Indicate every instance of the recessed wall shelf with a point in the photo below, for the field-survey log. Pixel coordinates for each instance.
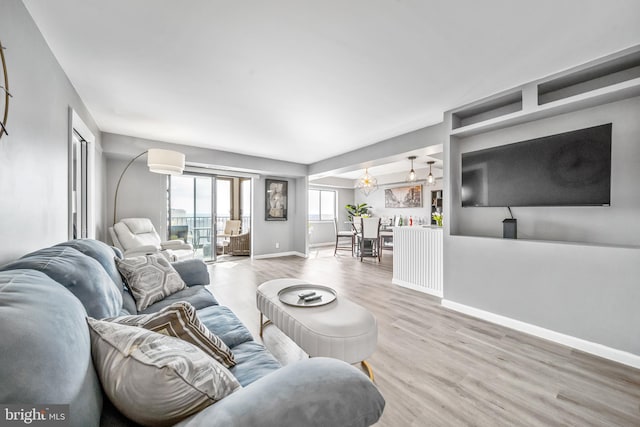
(598, 76)
(617, 92)
(607, 80)
(494, 108)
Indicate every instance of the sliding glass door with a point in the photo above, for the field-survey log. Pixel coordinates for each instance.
(224, 202)
(191, 207)
(201, 205)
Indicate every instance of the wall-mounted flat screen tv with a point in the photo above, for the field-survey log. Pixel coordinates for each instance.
(567, 169)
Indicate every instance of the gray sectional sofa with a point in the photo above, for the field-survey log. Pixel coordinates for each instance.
(45, 355)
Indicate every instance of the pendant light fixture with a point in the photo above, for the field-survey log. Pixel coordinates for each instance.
(430, 178)
(367, 183)
(412, 173)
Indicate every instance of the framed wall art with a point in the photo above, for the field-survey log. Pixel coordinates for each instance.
(276, 200)
(403, 197)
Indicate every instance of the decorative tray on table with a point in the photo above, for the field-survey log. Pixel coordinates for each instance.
(307, 295)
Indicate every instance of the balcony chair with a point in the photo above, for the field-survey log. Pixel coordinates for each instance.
(137, 236)
(231, 228)
(240, 244)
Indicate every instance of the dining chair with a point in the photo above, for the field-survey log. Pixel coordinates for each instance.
(356, 225)
(369, 238)
(343, 234)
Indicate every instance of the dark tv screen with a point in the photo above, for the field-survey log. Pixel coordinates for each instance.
(567, 169)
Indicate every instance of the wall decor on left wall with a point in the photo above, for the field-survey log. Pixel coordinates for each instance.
(5, 88)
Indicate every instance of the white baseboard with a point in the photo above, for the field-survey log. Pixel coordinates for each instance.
(600, 350)
(416, 287)
(280, 254)
(317, 245)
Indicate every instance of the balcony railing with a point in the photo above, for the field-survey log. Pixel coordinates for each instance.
(197, 229)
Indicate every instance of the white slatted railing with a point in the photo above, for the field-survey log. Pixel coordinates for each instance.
(417, 259)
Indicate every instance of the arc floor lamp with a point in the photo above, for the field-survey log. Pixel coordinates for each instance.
(160, 161)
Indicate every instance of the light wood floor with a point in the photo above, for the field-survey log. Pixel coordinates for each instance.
(436, 367)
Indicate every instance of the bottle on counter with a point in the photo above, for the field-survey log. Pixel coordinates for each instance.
(410, 221)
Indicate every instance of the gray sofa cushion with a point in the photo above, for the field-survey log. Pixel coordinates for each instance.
(128, 303)
(82, 275)
(198, 296)
(102, 253)
(46, 355)
(224, 323)
(253, 362)
(192, 271)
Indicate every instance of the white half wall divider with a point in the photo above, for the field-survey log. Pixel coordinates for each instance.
(417, 259)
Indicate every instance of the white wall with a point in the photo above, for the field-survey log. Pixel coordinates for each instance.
(290, 234)
(588, 291)
(33, 158)
(300, 216)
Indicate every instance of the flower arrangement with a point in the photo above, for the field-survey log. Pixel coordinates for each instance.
(437, 216)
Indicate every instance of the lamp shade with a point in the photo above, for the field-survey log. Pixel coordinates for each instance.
(165, 161)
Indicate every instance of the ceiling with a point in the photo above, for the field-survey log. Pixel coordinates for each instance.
(395, 167)
(304, 81)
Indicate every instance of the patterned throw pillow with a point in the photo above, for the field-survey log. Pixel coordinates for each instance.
(150, 278)
(180, 320)
(154, 379)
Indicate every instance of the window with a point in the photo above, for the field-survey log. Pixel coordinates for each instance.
(322, 205)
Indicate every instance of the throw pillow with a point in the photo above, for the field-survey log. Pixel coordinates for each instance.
(150, 278)
(181, 321)
(154, 379)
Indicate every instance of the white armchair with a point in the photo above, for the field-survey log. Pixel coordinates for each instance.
(137, 236)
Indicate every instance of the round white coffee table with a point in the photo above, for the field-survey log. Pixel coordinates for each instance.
(341, 329)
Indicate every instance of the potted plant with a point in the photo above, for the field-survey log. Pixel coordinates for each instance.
(437, 216)
(357, 210)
